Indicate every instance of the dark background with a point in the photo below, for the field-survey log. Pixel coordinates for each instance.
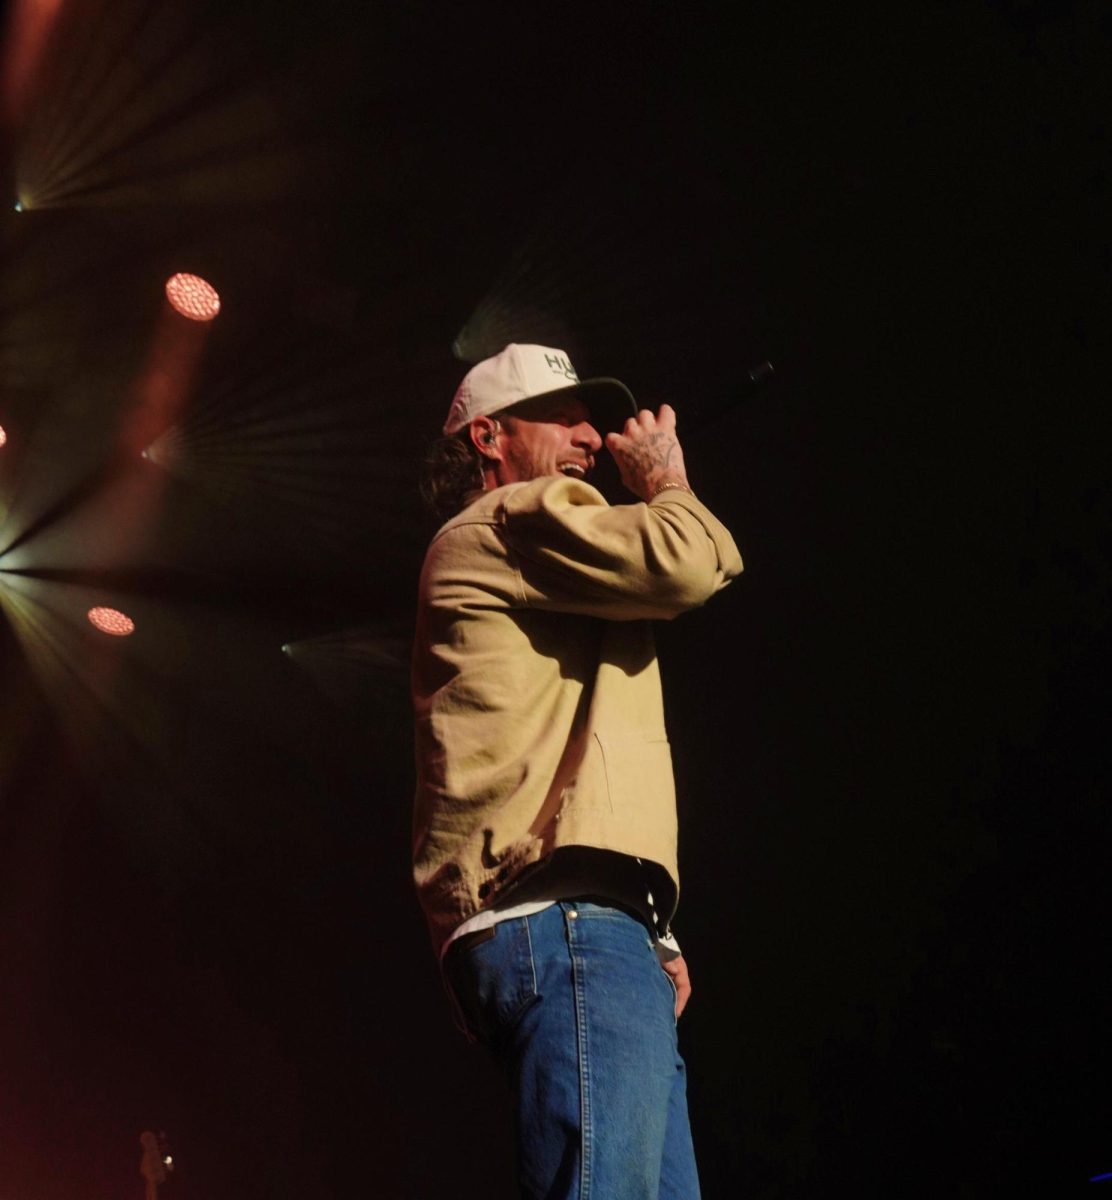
(891, 734)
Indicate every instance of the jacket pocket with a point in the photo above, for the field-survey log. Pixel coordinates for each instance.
(638, 773)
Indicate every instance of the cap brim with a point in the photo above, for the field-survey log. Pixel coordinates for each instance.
(609, 401)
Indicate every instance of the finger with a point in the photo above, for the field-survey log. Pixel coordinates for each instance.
(676, 969)
(666, 417)
(646, 418)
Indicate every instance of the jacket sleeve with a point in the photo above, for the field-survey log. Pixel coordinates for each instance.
(576, 553)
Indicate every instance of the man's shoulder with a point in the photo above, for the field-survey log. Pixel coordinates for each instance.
(485, 508)
(473, 530)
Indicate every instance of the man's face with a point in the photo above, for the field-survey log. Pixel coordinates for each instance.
(547, 437)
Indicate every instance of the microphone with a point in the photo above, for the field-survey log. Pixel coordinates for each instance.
(754, 378)
(751, 381)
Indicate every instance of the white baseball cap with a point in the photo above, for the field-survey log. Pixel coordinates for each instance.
(520, 372)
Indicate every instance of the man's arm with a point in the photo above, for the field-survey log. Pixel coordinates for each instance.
(657, 559)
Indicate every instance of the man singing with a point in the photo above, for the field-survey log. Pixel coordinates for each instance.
(545, 814)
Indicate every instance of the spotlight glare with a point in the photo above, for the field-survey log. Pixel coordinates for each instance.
(3, 435)
(110, 620)
(192, 296)
(18, 206)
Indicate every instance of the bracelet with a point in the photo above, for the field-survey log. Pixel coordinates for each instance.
(663, 487)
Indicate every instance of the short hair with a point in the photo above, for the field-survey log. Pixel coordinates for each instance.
(450, 472)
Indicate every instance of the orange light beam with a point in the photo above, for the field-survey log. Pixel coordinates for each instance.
(29, 26)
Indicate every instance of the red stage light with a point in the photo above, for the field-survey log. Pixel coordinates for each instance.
(109, 620)
(192, 297)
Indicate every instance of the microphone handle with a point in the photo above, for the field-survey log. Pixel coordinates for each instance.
(751, 381)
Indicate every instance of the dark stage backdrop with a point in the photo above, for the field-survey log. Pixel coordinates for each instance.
(890, 734)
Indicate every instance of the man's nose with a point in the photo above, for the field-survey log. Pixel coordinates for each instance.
(586, 435)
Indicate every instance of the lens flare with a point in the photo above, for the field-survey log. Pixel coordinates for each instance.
(110, 620)
(192, 296)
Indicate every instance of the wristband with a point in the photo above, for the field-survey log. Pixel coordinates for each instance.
(663, 487)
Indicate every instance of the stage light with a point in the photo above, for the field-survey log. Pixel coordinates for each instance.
(192, 296)
(18, 206)
(110, 620)
(3, 435)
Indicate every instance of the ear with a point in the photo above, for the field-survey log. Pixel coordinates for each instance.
(484, 437)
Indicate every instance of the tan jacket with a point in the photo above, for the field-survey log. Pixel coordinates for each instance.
(536, 690)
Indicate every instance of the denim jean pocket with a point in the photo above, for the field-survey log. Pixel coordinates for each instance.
(494, 981)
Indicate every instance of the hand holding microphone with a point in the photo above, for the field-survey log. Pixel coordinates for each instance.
(648, 453)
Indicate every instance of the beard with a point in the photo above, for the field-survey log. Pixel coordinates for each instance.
(524, 463)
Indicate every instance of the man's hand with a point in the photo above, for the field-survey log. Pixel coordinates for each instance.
(648, 452)
(677, 968)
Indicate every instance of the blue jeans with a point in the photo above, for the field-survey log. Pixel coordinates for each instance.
(575, 1005)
